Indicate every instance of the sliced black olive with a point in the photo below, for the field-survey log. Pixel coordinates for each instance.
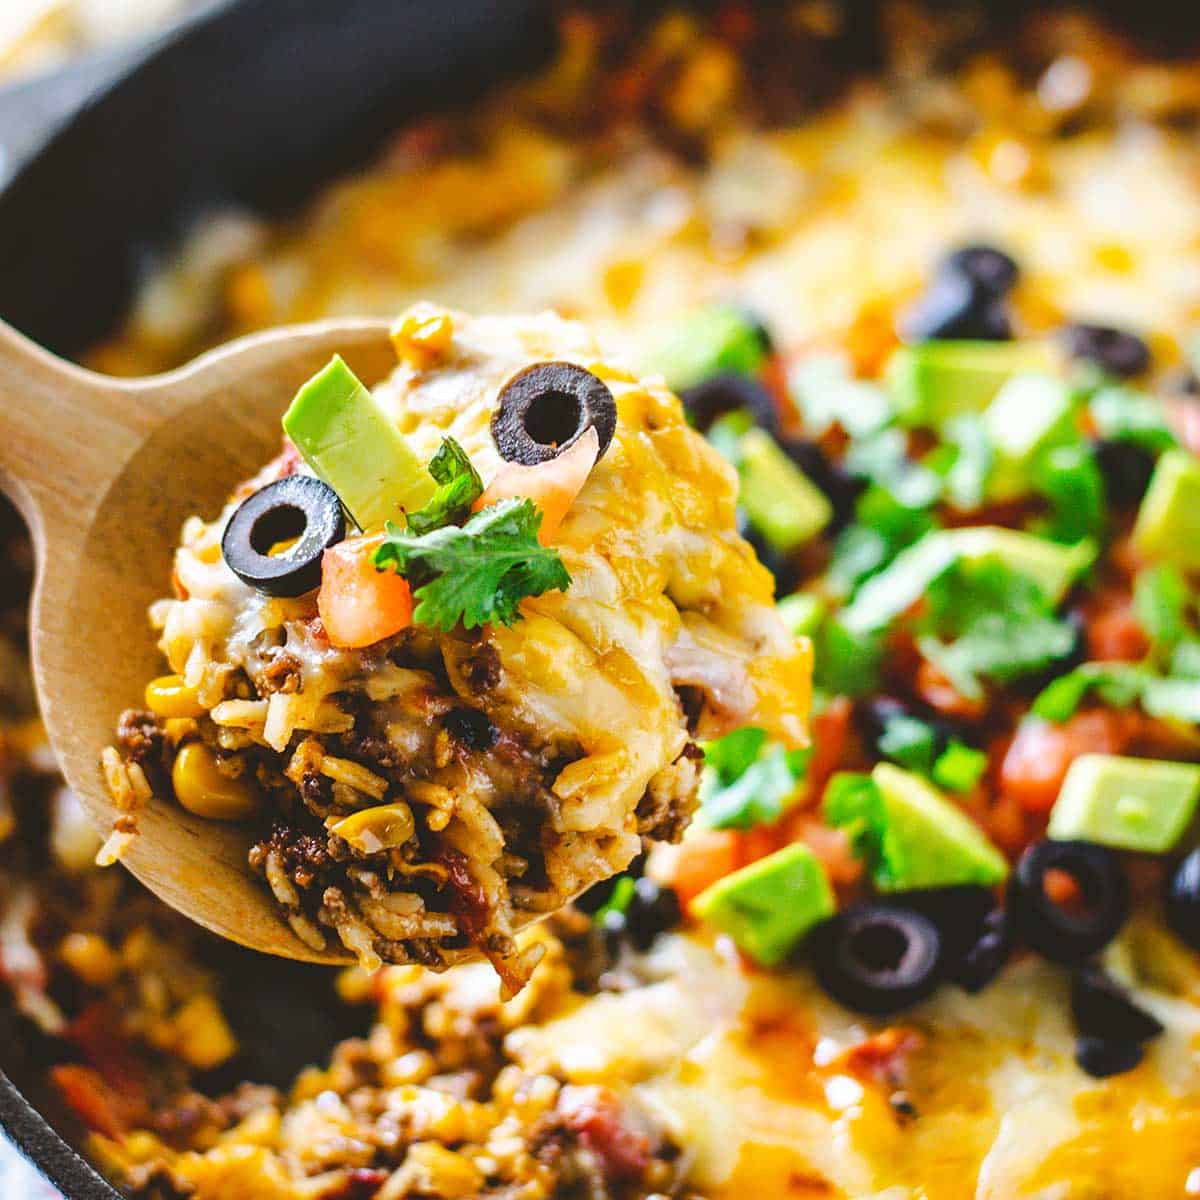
(1126, 468)
(1101, 1058)
(1102, 1008)
(840, 487)
(872, 716)
(1183, 900)
(976, 941)
(546, 408)
(877, 958)
(596, 897)
(652, 910)
(720, 394)
(956, 307)
(1062, 934)
(299, 510)
(991, 270)
(1117, 351)
(985, 959)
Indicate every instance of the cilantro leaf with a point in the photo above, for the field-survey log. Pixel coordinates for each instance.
(1069, 478)
(844, 663)
(759, 793)
(853, 803)
(1125, 415)
(731, 755)
(1001, 625)
(966, 458)
(1118, 684)
(477, 573)
(908, 741)
(827, 393)
(459, 486)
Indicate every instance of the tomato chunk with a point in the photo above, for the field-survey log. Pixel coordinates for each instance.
(552, 485)
(359, 605)
(1036, 763)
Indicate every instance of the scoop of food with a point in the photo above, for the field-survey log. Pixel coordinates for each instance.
(453, 649)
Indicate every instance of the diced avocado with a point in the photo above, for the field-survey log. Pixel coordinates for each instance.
(1168, 522)
(1051, 566)
(769, 906)
(350, 443)
(1127, 803)
(783, 504)
(801, 612)
(1029, 414)
(710, 341)
(937, 380)
(928, 841)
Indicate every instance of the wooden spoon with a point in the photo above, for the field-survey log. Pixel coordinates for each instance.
(105, 471)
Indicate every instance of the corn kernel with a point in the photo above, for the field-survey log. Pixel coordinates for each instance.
(422, 335)
(383, 827)
(90, 957)
(169, 696)
(202, 1036)
(202, 789)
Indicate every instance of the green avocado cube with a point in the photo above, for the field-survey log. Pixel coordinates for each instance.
(928, 841)
(932, 382)
(1030, 413)
(710, 341)
(783, 504)
(1053, 567)
(1168, 521)
(1128, 803)
(769, 906)
(350, 442)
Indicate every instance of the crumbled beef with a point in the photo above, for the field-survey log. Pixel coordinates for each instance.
(282, 673)
(482, 668)
(472, 728)
(141, 738)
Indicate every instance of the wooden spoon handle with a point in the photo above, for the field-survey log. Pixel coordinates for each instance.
(65, 434)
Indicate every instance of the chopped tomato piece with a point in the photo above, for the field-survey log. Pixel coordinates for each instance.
(1036, 763)
(359, 605)
(833, 848)
(703, 857)
(552, 485)
(830, 737)
(938, 692)
(1116, 636)
(91, 1099)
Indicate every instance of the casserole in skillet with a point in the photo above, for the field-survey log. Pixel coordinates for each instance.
(985, 528)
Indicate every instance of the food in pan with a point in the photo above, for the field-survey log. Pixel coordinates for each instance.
(453, 650)
(941, 332)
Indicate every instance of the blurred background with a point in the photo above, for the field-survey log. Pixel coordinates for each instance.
(38, 35)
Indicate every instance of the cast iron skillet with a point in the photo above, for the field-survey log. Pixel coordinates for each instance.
(252, 103)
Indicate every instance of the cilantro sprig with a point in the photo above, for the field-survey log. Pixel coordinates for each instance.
(747, 780)
(459, 486)
(477, 573)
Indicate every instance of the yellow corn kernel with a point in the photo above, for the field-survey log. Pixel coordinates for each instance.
(383, 827)
(422, 335)
(202, 789)
(90, 957)
(169, 696)
(202, 1036)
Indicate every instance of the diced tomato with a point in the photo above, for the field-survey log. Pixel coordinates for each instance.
(97, 1105)
(703, 857)
(1036, 763)
(1115, 635)
(552, 485)
(832, 847)
(830, 738)
(359, 605)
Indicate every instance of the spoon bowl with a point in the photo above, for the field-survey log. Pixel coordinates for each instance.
(105, 472)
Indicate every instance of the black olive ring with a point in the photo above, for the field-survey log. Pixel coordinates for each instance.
(877, 958)
(298, 509)
(1068, 935)
(545, 409)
